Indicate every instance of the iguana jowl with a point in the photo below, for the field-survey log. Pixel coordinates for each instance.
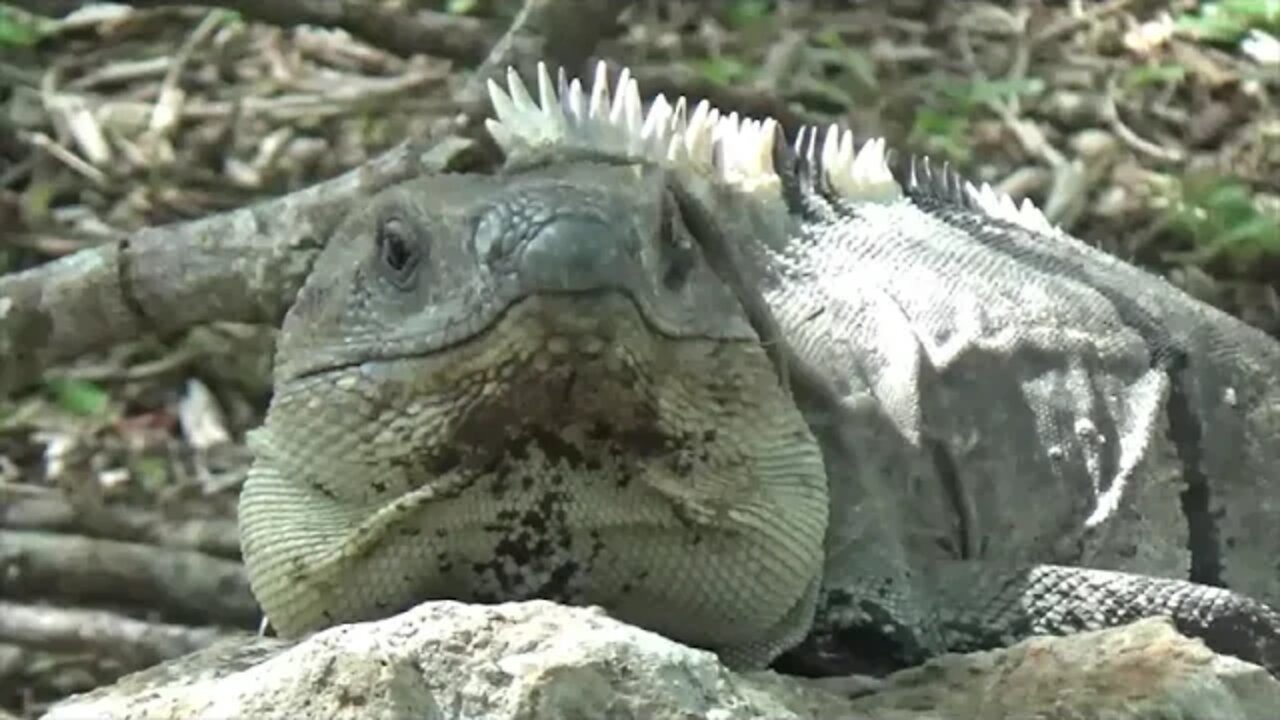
(748, 394)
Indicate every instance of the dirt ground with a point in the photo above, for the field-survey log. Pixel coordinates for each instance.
(1149, 128)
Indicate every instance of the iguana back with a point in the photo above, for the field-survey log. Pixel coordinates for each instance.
(1046, 401)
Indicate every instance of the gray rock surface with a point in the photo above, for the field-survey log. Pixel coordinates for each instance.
(542, 660)
(1142, 671)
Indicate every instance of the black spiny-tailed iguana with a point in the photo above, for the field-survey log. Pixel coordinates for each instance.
(754, 395)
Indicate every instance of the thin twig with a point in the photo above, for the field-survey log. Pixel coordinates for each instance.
(66, 156)
(1072, 22)
(168, 106)
(404, 32)
(1130, 137)
(171, 362)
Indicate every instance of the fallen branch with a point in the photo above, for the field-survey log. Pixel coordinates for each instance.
(51, 512)
(132, 643)
(244, 265)
(182, 585)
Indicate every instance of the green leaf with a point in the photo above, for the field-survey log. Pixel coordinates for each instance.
(229, 17)
(1260, 233)
(461, 7)
(1219, 28)
(855, 61)
(1229, 20)
(79, 396)
(1220, 217)
(830, 38)
(19, 29)
(1154, 75)
(942, 132)
(981, 91)
(1229, 196)
(723, 70)
(150, 472)
(745, 13)
(1257, 13)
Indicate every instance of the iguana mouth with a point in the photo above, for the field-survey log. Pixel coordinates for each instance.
(569, 323)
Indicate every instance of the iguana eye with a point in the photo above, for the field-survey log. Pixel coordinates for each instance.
(397, 252)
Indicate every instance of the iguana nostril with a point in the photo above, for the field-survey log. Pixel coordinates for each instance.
(575, 254)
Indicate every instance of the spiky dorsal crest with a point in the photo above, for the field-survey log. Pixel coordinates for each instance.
(725, 148)
(569, 117)
(922, 175)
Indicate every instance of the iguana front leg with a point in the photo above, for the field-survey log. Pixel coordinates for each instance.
(977, 606)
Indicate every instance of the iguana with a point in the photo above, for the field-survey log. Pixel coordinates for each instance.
(759, 397)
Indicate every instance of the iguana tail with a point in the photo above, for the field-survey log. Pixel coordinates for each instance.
(965, 605)
(985, 607)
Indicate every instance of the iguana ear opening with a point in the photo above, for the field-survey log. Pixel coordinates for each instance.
(725, 259)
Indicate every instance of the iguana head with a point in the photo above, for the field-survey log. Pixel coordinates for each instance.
(538, 383)
(573, 275)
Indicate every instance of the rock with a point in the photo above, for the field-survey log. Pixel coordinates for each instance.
(448, 659)
(1142, 671)
(542, 660)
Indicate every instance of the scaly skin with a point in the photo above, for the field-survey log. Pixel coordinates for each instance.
(559, 401)
(746, 396)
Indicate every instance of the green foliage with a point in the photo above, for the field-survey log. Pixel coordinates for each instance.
(79, 396)
(1221, 218)
(1229, 20)
(942, 127)
(985, 91)
(724, 70)
(18, 29)
(942, 133)
(742, 14)
(1154, 74)
(854, 61)
(747, 19)
(150, 472)
(230, 18)
(461, 7)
